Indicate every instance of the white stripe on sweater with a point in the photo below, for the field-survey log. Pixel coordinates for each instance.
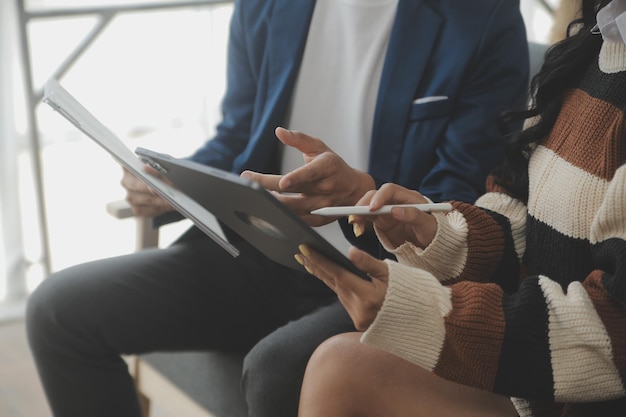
(512, 209)
(410, 323)
(610, 221)
(563, 196)
(580, 348)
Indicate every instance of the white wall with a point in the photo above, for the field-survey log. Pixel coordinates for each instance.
(538, 20)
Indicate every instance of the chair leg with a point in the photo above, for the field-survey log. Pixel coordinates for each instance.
(146, 235)
(134, 369)
(145, 404)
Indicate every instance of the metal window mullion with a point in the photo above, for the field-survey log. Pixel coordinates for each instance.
(10, 214)
(33, 96)
(71, 59)
(33, 136)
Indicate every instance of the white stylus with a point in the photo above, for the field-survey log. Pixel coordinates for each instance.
(365, 210)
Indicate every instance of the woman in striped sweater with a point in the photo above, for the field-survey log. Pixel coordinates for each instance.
(514, 305)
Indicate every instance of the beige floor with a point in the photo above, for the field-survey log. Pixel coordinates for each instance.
(21, 394)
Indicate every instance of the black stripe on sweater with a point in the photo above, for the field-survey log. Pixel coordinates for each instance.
(561, 258)
(507, 273)
(524, 369)
(610, 257)
(609, 89)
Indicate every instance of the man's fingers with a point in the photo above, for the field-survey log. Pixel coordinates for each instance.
(315, 176)
(267, 181)
(306, 144)
(132, 183)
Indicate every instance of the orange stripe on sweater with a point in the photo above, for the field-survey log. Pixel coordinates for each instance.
(485, 244)
(476, 317)
(611, 311)
(584, 120)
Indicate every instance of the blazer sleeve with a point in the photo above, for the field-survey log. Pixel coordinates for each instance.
(233, 132)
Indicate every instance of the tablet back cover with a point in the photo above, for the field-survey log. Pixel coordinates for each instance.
(246, 208)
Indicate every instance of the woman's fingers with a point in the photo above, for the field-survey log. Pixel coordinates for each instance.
(395, 194)
(375, 268)
(322, 267)
(334, 275)
(362, 299)
(387, 194)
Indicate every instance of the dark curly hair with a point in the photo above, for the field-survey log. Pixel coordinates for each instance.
(563, 66)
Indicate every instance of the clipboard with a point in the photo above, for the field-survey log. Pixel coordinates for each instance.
(202, 193)
(66, 105)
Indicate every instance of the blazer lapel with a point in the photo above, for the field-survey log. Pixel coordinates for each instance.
(414, 34)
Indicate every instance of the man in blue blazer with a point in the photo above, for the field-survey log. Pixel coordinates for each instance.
(426, 104)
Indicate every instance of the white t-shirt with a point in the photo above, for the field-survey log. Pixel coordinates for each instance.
(337, 86)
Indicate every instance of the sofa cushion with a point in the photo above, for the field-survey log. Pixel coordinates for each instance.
(212, 379)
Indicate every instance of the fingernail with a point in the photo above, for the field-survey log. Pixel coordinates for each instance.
(305, 250)
(299, 259)
(351, 219)
(308, 270)
(356, 229)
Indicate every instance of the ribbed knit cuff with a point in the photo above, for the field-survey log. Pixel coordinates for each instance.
(514, 210)
(613, 57)
(410, 323)
(446, 255)
(527, 408)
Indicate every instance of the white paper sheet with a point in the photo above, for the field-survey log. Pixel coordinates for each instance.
(66, 105)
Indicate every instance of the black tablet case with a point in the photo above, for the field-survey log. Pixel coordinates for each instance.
(246, 208)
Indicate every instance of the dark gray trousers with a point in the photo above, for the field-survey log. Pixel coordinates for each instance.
(190, 296)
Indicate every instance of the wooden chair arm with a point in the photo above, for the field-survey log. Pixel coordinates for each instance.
(146, 236)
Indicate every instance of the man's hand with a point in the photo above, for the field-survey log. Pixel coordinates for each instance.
(143, 200)
(324, 180)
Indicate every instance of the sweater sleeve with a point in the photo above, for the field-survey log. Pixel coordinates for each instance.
(543, 341)
(473, 242)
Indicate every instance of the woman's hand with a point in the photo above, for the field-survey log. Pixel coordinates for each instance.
(404, 224)
(362, 299)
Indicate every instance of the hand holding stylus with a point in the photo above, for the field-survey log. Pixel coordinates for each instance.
(405, 222)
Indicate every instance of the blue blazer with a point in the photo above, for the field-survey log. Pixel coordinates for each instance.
(474, 52)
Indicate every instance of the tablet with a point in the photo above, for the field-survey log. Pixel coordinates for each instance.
(247, 208)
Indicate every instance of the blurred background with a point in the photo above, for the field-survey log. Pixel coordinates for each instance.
(153, 72)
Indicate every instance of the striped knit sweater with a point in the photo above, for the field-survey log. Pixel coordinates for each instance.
(529, 301)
